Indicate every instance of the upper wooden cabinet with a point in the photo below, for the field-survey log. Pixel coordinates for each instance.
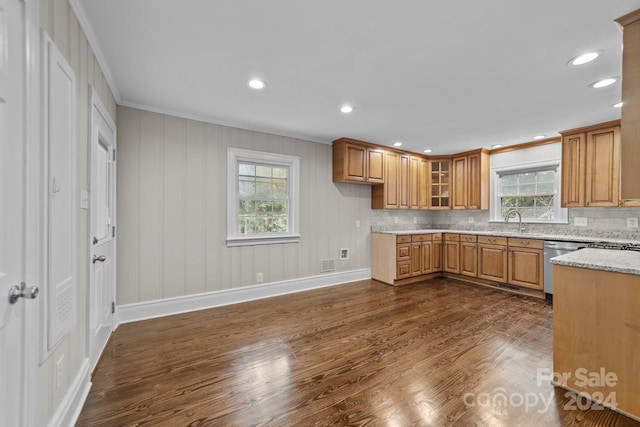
(630, 136)
(440, 184)
(471, 180)
(591, 166)
(395, 193)
(355, 161)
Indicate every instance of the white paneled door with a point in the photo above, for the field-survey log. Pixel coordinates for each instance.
(103, 228)
(12, 212)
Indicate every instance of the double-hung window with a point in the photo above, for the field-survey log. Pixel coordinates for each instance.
(262, 198)
(532, 191)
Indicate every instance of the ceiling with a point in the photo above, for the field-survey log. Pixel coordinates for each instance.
(449, 75)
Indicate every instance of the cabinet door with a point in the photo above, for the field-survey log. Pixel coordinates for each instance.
(355, 162)
(492, 263)
(436, 256)
(375, 165)
(414, 182)
(403, 252)
(439, 184)
(416, 259)
(404, 182)
(526, 268)
(385, 196)
(478, 181)
(451, 257)
(459, 183)
(403, 269)
(427, 258)
(468, 259)
(603, 168)
(423, 178)
(574, 154)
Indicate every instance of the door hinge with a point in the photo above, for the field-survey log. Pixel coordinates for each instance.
(114, 154)
(113, 307)
(113, 231)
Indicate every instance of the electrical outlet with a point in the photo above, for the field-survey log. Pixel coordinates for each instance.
(470, 220)
(580, 221)
(632, 222)
(395, 219)
(344, 253)
(357, 223)
(259, 278)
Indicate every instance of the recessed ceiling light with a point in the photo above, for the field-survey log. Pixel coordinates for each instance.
(604, 83)
(397, 144)
(618, 105)
(257, 84)
(584, 58)
(539, 137)
(346, 108)
(496, 146)
(428, 150)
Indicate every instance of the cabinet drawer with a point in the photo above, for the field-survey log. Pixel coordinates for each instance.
(452, 237)
(403, 252)
(526, 243)
(405, 238)
(421, 238)
(492, 240)
(437, 237)
(403, 269)
(468, 238)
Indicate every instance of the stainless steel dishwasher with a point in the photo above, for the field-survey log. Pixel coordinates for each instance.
(553, 249)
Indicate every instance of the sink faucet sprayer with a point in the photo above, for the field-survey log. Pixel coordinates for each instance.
(521, 227)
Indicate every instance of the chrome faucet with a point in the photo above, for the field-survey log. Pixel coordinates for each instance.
(521, 227)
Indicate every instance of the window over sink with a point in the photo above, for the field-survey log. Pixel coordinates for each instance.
(531, 189)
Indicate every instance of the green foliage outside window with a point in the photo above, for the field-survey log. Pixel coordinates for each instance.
(263, 199)
(531, 193)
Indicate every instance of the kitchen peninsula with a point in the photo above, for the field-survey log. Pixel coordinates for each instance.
(596, 326)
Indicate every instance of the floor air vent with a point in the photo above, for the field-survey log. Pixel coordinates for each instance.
(327, 265)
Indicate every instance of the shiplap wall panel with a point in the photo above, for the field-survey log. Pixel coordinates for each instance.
(195, 208)
(59, 21)
(172, 186)
(128, 159)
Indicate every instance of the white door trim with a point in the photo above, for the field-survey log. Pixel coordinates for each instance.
(33, 214)
(97, 108)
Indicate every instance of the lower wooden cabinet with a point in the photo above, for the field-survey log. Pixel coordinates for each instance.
(526, 263)
(451, 253)
(436, 253)
(469, 255)
(492, 258)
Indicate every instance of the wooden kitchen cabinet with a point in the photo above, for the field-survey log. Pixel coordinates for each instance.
(418, 183)
(492, 258)
(394, 193)
(471, 180)
(358, 162)
(436, 253)
(526, 263)
(591, 166)
(439, 184)
(469, 255)
(406, 258)
(451, 253)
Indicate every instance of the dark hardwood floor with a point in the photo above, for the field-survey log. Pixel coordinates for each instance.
(440, 353)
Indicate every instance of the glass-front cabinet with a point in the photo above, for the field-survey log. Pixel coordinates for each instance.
(440, 191)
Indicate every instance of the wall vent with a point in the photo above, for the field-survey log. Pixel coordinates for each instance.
(327, 265)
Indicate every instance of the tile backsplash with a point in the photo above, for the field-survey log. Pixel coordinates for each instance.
(601, 222)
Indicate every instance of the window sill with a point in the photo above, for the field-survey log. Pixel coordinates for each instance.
(262, 240)
(496, 221)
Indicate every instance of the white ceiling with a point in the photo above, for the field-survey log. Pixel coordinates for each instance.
(449, 75)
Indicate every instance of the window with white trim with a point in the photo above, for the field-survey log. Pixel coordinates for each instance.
(262, 198)
(532, 191)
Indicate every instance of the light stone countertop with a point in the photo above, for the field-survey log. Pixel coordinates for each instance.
(548, 237)
(627, 262)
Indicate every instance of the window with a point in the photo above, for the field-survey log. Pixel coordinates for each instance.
(533, 191)
(262, 198)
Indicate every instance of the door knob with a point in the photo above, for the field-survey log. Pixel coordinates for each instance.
(21, 292)
(100, 258)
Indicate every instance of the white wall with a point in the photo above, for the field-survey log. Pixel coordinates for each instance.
(172, 210)
(59, 20)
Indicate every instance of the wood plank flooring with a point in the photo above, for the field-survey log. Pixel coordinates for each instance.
(438, 353)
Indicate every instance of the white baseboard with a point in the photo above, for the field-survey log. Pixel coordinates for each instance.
(69, 409)
(166, 307)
